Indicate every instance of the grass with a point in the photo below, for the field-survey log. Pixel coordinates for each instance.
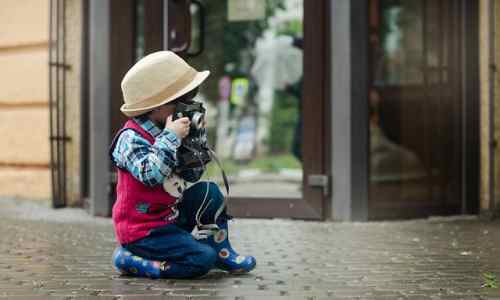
(490, 280)
(267, 164)
(275, 163)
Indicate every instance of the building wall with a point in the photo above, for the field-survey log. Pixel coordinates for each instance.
(486, 60)
(73, 95)
(484, 42)
(24, 109)
(24, 118)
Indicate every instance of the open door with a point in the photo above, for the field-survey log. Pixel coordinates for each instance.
(267, 100)
(266, 96)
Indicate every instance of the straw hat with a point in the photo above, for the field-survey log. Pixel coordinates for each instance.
(156, 79)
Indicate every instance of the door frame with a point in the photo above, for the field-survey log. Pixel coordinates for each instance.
(471, 82)
(316, 140)
(314, 203)
(349, 109)
(109, 54)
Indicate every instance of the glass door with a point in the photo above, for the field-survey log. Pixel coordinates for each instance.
(265, 110)
(254, 53)
(417, 108)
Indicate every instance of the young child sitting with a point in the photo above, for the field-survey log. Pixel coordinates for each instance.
(154, 215)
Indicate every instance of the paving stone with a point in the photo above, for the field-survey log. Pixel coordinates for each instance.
(47, 254)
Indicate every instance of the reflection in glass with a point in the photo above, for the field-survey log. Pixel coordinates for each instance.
(196, 19)
(401, 44)
(139, 27)
(414, 105)
(253, 97)
(395, 170)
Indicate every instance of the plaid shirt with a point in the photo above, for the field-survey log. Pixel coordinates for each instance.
(150, 163)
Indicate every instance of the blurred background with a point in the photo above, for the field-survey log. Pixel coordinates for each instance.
(254, 94)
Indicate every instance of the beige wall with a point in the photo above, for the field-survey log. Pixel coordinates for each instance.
(485, 62)
(73, 75)
(24, 158)
(24, 110)
(24, 22)
(484, 111)
(25, 73)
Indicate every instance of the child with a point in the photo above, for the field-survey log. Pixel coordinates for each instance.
(154, 216)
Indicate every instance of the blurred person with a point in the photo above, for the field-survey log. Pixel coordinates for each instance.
(388, 158)
(165, 229)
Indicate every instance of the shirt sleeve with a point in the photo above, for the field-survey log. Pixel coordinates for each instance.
(148, 163)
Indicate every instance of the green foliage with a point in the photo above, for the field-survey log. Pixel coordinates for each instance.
(275, 163)
(240, 38)
(266, 164)
(284, 116)
(490, 280)
(292, 28)
(229, 46)
(411, 14)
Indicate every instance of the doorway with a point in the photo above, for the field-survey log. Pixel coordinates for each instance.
(266, 96)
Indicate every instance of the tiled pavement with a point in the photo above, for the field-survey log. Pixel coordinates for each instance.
(65, 254)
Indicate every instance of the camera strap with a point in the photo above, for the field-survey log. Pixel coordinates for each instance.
(202, 231)
(213, 156)
(224, 177)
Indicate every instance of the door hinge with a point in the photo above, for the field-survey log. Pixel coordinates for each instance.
(319, 181)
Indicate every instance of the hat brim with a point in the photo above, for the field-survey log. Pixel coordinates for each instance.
(197, 80)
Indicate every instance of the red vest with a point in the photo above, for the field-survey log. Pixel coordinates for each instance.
(138, 207)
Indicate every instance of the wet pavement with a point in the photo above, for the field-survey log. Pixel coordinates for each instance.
(65, 254)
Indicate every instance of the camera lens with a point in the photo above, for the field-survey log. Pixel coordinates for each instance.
(197, 120)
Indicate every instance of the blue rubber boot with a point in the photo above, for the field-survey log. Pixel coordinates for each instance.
(127, 263)
(227, 258)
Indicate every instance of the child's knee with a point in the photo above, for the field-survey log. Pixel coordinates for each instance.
(215, 193)
(199, 190)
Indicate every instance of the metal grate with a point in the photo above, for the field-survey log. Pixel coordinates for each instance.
(57, 101)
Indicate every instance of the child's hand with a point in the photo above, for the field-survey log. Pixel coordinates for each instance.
(179, 126)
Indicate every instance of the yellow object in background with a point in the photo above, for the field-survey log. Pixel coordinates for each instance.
(239, 91)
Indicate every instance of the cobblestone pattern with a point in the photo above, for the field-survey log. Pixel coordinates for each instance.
(46, 255)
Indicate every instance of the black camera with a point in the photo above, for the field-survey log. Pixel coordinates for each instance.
(193, 110)
(194, 151)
